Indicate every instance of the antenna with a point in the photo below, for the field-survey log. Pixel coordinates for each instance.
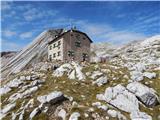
(72, 25)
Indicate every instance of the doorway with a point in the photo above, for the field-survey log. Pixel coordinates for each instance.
(84, 57)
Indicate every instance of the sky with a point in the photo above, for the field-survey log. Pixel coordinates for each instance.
(113, 22)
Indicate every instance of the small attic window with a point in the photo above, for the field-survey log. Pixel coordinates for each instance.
(59, 53)
(70, 53)
(50, 47)
(78, 43)
(59, 43)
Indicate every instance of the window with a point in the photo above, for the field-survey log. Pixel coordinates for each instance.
(78, 44)
(50, 47)
(59, 53)
(54, 45)
(78, 36)
(54, 55)
(70, 53)
(50, 57)
(59, 43)
(84, 56)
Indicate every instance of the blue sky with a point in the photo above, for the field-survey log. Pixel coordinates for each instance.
(114, 22)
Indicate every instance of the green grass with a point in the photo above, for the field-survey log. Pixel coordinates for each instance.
(77, 88)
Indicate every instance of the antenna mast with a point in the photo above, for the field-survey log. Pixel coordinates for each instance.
(71, 24)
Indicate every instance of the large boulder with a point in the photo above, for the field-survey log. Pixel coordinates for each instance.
(119, 97)
(140, 116)
(26, 93)
(73, 71)
(117, 114)
(95, 59)
(101, 81)
(145, 94)
(62, 69)
(136, 76)
(149, 75)
(5, 89)
(96, 74)
(6, 109)
(74, 116)
(52, 97)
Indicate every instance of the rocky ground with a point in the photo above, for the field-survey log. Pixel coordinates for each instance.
(125, 87)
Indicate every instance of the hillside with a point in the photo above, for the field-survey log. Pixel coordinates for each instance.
(35, 52)
(6, 56)
(126, 87)
(104, 49)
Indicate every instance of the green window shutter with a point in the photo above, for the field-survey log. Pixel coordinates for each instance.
(78, 44)
(54, 55)
(59, 43)
(54, 45)
(71, 53)
(59, 53)
(50, 47)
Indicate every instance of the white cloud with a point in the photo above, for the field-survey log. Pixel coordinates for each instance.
(122, 37)
(120, 15)
(8, 45)
(8, 33)
(10, 14)
(152, 19)
(146, 21)
(95, 29)
(34, 13)
(106, 33)
(26, 35)
(5, 5)
(24, 7)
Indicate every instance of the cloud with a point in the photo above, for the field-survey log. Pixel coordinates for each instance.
(10, 14)
(122, 37)
(5, 5)
(8, 33)
(120, 15)
(24, 7)
(106, 33)
(97, 29)
(26, 35)
(8, 45)
(36, 13)
(146, 21)
(32, 14)
(152, 19)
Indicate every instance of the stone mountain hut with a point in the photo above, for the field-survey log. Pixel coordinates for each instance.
(70, 45)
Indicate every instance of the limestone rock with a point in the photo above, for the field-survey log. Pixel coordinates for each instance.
(74, 116)
(144, 93)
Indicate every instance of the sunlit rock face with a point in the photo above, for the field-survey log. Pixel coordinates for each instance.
(124, 87)
(34, 52)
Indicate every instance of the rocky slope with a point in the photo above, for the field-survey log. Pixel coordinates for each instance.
(103, 49)
(34, 52)
(126, 87)
(6, 56)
